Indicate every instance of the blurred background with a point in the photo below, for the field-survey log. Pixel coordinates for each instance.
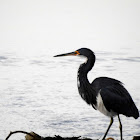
(38, 92)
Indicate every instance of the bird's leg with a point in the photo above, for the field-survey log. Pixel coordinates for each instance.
(120, 127)
(111, 121)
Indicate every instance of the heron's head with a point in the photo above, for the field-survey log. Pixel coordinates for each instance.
(80, 52)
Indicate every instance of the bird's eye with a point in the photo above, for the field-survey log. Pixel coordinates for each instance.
(77, 53)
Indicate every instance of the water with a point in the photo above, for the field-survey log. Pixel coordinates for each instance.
(39, 93)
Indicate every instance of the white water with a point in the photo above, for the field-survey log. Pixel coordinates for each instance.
(40, 94)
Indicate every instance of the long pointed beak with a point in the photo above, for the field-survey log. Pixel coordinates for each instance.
(68, 54)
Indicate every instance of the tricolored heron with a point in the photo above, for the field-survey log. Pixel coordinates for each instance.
(105, 94)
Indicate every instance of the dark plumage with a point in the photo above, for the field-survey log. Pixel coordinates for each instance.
(115, 96)
(104, 94)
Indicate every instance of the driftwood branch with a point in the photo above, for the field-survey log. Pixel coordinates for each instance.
(11, 133)
(34, 136)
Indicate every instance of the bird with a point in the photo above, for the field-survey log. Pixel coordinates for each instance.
(107, 95)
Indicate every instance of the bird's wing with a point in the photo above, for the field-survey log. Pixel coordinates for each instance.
(117, 99)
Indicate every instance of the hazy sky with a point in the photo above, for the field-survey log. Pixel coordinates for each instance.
(38, 25)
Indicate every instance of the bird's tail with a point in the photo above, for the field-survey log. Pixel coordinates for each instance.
(134, 111)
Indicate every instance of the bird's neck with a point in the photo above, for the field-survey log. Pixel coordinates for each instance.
(85, 89)
(87, 66)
